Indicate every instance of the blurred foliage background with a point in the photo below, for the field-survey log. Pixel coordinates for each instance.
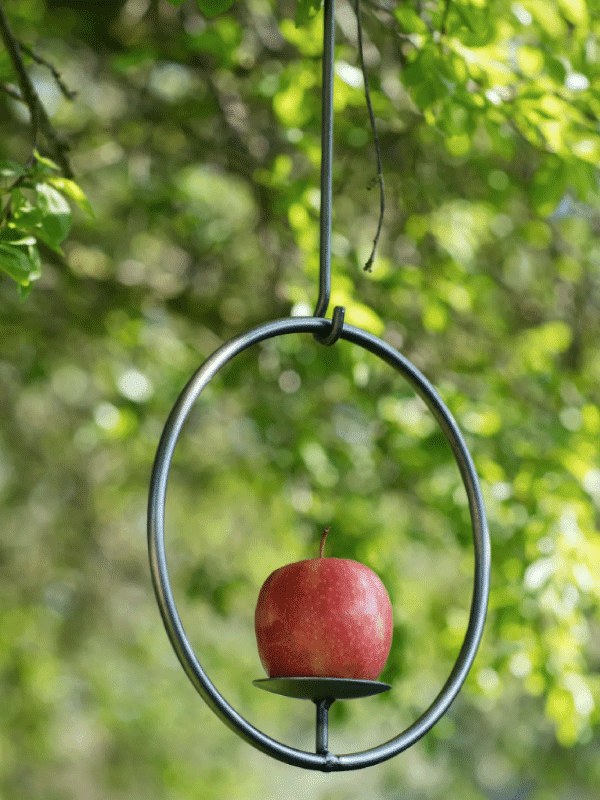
(197, 143)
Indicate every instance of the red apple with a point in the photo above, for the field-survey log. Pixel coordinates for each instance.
(323, 617)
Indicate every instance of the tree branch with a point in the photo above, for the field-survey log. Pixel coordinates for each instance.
(66, 92)
(369, 265)
(39, 116)
(28, 93)
(11, 92)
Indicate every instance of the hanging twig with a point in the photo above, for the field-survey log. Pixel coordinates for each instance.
(29, 96)
(68, 93)
(379, 178)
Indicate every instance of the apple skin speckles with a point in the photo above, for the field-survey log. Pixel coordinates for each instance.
(324, 617)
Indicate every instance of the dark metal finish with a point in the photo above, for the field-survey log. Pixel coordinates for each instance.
(326, 159)
(316, 689)
(337, 324)
(158, 561)
(322, 738)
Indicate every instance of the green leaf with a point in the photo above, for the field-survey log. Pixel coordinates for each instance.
(15, 236)
(46, 162)
(28, 183)
(73, 191)
(410, 21)
(132, 59)
(49, 219)
(10, 169)
(20, 263)
(548, 185)
(423, 79)
(306, 10)
(210, 8)
(221, 39)
(177, 2)
(20, 258)
(478, 23)
(555, 68)
(33, 255)
(26, 216)
(463, 17)
(55, 221)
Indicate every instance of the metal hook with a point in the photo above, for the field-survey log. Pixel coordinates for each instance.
(337, 324)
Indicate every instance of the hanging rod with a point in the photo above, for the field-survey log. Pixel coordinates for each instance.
(326, 160)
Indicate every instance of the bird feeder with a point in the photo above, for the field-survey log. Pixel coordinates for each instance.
(323, 691)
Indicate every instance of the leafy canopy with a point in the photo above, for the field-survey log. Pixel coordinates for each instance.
(211, 8)
(34, 208)
(198, 143)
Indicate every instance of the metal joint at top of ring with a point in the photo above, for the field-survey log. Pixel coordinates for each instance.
(337, 325)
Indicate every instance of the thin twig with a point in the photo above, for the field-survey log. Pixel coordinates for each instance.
(444, 21)
(11, 92)
(379, 179)
(39, 116)
(28, 92)
(68, 93)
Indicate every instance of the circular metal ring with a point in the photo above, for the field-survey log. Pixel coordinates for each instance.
(158, 563)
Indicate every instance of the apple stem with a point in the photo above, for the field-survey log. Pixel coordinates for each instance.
(323, 537)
